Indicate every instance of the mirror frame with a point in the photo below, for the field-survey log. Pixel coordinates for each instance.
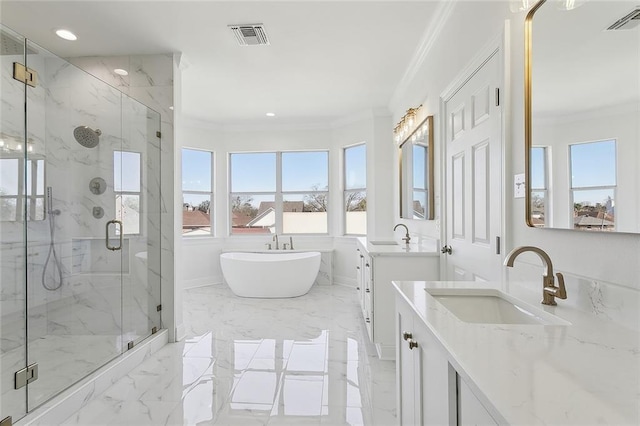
(528, 140)
(430, 211)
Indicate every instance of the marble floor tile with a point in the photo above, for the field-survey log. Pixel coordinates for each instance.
(299, 361)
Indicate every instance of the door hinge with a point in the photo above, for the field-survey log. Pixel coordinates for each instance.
(26, 375)
(25, 75)
(130, 345)
(158, 134)
(158, 308)
(497, 245)
(497, 96)
(7, 421)
(154, 330)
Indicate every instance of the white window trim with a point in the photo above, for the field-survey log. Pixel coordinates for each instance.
(209, 193)
(350, 190)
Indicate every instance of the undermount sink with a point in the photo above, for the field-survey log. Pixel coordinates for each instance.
(489, 306)
(383, 242)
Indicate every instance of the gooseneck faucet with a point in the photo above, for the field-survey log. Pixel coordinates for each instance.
(549, 290)
(406, 238)
(275, 238)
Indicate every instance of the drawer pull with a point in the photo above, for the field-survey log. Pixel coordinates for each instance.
(406, 335)
(412, 344)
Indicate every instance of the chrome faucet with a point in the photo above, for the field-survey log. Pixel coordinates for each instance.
(406, 238)
(275, 238)
(549, 290)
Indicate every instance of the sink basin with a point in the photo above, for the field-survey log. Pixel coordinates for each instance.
(383, 242)
(488, 306)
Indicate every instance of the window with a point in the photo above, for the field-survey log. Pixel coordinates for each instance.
(355, 189)
(420, 180)
(539, 188)
(126, 187)
(12, 189)
(279, 192)
(197, 194)
(593, 185)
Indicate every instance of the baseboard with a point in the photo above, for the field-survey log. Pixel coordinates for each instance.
(386, 352)
(202, 282)
(346, 281)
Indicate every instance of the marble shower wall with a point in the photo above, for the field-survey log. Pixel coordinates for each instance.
(90, 299)
(150, 81)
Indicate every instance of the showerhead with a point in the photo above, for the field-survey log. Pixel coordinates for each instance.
(86, 136)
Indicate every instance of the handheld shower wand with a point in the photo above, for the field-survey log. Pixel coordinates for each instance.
(50, 212)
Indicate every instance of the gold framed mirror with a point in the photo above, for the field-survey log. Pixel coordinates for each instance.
(416, 159)
(582, 116)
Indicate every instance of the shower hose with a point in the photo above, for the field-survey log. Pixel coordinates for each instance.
(56, 260)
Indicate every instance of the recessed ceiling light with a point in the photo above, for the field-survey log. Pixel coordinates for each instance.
(120, 71)
(67, 35)
(271, 114)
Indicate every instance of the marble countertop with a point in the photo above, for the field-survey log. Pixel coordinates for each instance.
(584, 373)
(425, 248)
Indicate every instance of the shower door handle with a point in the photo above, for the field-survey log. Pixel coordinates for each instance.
(119, 223)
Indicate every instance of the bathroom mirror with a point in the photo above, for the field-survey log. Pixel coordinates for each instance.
(416, 173)
(582, 115)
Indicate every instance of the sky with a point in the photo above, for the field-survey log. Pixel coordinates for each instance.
(592, 164)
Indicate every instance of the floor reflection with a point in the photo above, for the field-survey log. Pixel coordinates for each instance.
(296, 361)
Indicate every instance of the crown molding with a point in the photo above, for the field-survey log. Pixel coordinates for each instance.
(438, 21)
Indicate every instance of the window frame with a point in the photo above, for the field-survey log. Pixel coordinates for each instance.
(346, 191)
(546, 152)
(574, 189)
(200, 193)
(121, 193)
(26, 205)
(279, 194)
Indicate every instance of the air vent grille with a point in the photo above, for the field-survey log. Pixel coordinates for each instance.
(250, 34)
(628, 21)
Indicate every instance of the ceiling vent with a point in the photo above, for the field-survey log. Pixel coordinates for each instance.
(627, 22)
(250, 34)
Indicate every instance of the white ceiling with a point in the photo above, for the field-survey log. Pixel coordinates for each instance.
(327, 59)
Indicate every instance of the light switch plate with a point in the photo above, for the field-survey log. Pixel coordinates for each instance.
(518, 186)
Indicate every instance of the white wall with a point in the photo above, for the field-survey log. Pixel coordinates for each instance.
(464, 29)
(200, 264)
(590, 260)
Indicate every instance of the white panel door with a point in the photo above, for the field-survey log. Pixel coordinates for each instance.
(473, 154)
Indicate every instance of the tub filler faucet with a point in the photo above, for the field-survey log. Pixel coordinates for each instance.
(549, 290)
(275, 238)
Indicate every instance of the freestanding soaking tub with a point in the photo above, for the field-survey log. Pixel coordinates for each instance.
(270, 275)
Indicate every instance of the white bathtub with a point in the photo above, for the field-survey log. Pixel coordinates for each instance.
(270, 275)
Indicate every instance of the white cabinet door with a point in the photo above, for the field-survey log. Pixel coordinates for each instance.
(437, 379)
(470, 409)
(426, 384)
(408, 372)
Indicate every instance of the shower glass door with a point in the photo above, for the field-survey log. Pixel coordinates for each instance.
(79, 225)
(13, 259)
(74, 279)
(137, 201)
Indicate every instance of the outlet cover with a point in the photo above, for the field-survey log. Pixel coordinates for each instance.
(518, 186)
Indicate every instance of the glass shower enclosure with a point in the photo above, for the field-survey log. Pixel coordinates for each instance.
(79, 224)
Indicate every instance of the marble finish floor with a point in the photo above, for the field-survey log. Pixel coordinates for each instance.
(299, 361)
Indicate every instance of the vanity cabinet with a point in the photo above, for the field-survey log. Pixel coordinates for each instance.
(429, 389)
(376, 267)
(423, 376)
